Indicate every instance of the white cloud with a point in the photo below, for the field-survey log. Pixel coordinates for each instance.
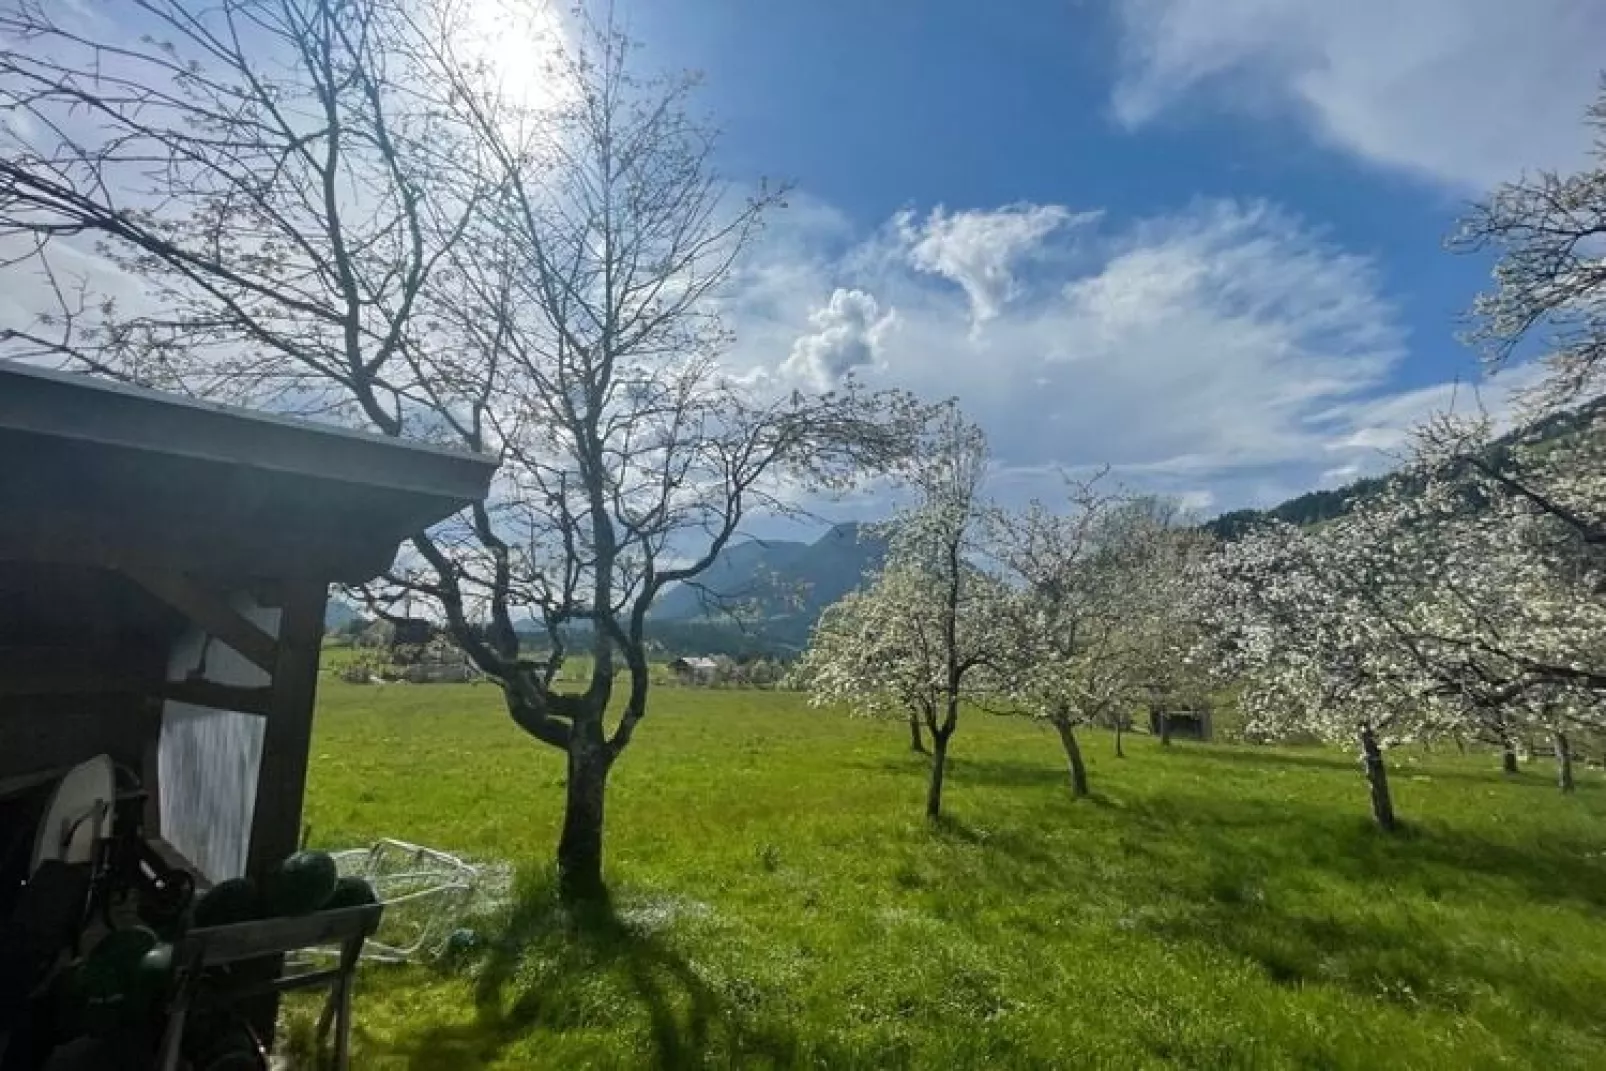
(1225, 327)
(1383, 426)
(847, 337)
(1463, 92)
(980, 250)
(57, 283)
(1336, 477)
(1228, 350)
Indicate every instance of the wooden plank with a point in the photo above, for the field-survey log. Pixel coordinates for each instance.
(287, 736)
(342, 1001)
(256, 951)
(207, 609)
(205, 693)
(222, 945)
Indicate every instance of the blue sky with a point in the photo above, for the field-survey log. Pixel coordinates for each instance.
(1198, 240)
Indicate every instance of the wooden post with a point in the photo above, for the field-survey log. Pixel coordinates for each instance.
(287, 735)
(282, 769)
(342, 997)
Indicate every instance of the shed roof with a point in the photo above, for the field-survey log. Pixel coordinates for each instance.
(90, 469)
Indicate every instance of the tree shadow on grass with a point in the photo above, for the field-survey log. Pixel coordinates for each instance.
(1382, 960)
(1009, 773)
(1235, 897)
(551, 968)
(1217, 882)
(1018, 845)
(1427, 857)
(1004, 773)
(1403, 763)
(1249, 755)
(1198, 873)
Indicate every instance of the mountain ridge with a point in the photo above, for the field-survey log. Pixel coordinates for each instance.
(765, 580)
(1324, 504)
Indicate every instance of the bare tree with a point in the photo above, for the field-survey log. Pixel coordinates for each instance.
(1550, 279)
(636, 454)
(336, 207)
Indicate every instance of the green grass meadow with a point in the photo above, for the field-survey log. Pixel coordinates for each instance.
(780, 902)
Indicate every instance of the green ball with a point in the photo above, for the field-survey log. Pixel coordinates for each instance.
(351, 892)
(154, 975)
(300, 885)
(228, 902)
(104, 991)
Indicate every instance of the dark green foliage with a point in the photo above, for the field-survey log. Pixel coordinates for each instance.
(1317, 506)
(1310, 508)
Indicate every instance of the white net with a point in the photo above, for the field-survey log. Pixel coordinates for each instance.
(427, 893)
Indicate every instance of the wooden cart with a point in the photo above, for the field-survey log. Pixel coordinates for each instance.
(266, 943)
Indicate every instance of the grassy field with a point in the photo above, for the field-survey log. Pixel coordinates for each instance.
(780, 902)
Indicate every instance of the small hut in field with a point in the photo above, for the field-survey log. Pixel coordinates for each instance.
(698, 671)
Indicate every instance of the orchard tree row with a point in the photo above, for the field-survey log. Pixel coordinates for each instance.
(1072, 612)
(1461, 597)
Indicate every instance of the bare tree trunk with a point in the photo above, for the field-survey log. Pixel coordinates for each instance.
(1120, 752)
(1165, 730)
(1073, 755)
(916, 742)
(1564, 763)
(1508, 753)
(580, 844)
(939, 766)
(1377, 779)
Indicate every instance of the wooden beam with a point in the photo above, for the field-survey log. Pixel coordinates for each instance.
(69, 537)
(208, 610)
(204, 693)
(287, 736)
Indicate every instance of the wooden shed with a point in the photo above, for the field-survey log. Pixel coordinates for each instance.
(163, 571)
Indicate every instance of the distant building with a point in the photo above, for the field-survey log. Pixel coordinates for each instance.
(1188, 724)
(695, 670)
(439, 662)
(414, 632)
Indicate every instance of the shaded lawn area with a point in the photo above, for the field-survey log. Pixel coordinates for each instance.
(778, 900)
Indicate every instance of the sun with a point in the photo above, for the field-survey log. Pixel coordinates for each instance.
(522, 42)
